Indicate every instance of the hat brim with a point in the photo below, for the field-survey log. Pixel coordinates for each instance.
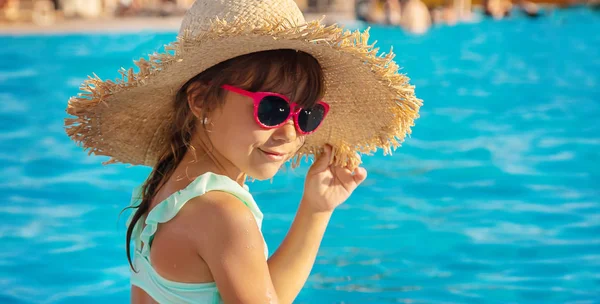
(372, 105)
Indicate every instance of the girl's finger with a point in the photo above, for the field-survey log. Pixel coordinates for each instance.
(360, 174)
(322, 161)
(343, 175)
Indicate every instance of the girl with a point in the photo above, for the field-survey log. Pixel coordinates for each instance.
(247, 86)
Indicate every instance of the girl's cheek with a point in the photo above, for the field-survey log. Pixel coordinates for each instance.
(300, 141)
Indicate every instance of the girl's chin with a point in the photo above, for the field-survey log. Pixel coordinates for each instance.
(264, 172)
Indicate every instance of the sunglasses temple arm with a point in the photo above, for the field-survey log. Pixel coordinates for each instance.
(237, 90)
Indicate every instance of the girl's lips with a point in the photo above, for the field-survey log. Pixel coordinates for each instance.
(273, 156)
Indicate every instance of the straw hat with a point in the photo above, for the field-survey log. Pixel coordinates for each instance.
(372, 105)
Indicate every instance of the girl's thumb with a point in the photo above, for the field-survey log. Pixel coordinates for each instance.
(323, 160)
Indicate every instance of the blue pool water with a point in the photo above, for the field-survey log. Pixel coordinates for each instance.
(494, 199)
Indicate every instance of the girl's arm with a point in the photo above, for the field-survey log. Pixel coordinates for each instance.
(325, 188)
(291, 264)
(228, 239)
(230, 242)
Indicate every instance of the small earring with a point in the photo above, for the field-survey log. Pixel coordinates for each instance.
(206, 122)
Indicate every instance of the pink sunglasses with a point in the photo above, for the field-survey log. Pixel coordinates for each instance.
(272, 110)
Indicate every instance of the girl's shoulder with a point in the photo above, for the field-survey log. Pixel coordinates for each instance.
(217, 216)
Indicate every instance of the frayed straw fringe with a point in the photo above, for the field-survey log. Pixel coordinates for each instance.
(95, 91)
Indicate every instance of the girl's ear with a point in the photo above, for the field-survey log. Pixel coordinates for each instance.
(195, 93)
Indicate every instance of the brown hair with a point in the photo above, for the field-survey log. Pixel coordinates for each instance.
(288, 72)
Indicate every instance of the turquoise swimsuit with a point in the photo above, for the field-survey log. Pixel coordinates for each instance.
(159, 288)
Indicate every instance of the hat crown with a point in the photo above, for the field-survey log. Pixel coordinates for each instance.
(254, 13)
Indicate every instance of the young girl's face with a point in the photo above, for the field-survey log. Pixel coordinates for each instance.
(259, 153)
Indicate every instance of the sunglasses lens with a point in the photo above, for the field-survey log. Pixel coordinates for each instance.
(310, 119)
(273, 110)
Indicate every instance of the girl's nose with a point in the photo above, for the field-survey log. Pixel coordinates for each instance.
(286, 133)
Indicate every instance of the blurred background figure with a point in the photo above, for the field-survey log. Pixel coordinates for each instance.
(451, 12)
(373, 11)
(412, 15)
(9, 9)
(393, 12)
(529, 8)
(126, 7)
(497, 9)
(390, 12)
(160, 8)
(82, 8)
(415, 16)
(463, 9)
(362, 9)
(444, 13)
(40, 12)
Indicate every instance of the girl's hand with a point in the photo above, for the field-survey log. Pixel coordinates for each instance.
(327, 186)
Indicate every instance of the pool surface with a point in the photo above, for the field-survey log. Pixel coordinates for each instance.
(494, 199)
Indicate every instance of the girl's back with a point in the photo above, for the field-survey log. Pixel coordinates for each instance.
(176, 229)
